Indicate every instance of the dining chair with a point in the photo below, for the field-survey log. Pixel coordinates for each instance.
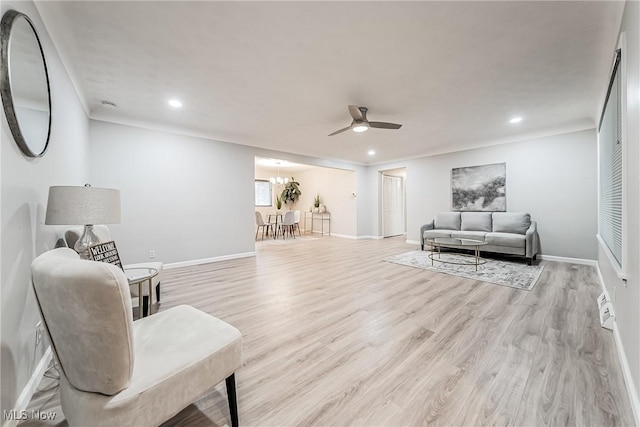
(117, 372)
(104, 234)
(260, 223)
(287, 224)
(296, 220)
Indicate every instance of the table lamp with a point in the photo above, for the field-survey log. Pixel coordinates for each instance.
(86, 206)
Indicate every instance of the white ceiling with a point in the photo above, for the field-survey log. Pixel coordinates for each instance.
(280, 75)
(277, 165)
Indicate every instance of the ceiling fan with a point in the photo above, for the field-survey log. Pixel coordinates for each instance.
(360, 122)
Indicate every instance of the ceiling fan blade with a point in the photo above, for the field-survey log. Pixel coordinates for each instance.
(355, 112)
(384, 125)
(340, 131)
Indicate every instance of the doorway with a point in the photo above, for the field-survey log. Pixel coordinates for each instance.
(393, 202)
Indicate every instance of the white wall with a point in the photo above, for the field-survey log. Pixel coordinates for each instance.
(627, 298)
(335, 187)
(186, 198)
(25, 183)
(364, 199)
(553, 178)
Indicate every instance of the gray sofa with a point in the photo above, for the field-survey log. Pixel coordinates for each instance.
(505, 232)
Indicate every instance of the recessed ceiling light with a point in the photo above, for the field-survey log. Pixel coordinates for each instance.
(175, 103)
(371, 152)
(515, 120)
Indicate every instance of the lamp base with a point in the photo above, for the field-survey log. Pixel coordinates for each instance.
(85, 241)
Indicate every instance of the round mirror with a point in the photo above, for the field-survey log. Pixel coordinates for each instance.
(25, 84)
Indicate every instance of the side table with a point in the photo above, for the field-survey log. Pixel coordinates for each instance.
(137, 276)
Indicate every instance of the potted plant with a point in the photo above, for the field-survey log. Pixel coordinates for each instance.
(278, 202)
(291, 193)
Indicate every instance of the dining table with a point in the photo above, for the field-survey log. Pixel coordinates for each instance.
(278, 218)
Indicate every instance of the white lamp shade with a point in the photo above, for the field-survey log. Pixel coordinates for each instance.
(82, 206)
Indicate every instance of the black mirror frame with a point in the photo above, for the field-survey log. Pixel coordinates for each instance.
(6, 25)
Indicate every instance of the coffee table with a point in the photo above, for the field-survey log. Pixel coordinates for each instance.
(452, 242)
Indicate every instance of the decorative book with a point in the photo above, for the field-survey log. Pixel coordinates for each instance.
(105, 252)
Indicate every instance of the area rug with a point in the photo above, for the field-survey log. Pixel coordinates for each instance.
(506, 273)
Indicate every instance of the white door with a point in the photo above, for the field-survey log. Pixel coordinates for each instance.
(392, 205)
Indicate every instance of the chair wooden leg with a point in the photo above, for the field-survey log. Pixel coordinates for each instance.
(233, 402)
(257, 230)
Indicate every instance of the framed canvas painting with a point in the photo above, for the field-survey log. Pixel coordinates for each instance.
(479, 188)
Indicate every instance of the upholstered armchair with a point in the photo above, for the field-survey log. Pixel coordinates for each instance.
(117, 372)
(102, 231)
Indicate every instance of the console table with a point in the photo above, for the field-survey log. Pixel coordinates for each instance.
(322, 217)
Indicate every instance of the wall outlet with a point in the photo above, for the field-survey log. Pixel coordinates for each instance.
(152, 254)
(39, 333)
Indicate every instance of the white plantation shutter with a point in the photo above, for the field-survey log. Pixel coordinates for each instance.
(610, 153)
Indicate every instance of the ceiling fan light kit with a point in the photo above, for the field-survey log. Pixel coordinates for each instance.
(359, 127)
(360, 122)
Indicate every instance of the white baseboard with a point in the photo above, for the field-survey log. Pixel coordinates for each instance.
(626, 373)
(413, 242)
(591, 262)
(601, 280)
(208, 260)
(349, 236)
(344, 236)
(622, 358)
(30, 388)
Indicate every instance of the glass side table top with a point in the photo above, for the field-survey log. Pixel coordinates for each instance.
(135, 275)
(452, 241)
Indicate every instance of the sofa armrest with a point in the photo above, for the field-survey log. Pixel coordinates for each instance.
(427, 226)
(532, 240)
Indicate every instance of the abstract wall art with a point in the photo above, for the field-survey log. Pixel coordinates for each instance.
(479, 188)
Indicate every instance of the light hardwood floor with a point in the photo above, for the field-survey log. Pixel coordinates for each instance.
(334, 336)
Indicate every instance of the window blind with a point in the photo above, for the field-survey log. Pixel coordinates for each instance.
(610, 155)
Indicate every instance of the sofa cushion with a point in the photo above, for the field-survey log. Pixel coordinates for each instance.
(447, 221)
(506, 239)
(476, 221)
(511, 222)
(473, 235)
(430, 234)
